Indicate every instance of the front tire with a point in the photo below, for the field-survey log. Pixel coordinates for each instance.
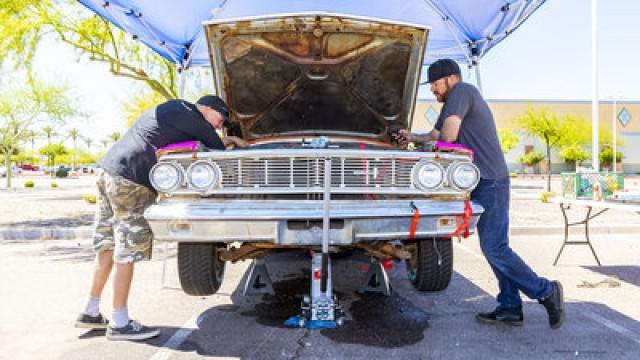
(200, 270)
(431, 264)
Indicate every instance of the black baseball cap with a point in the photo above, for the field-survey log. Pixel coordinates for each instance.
(217, 104)
(442, 68)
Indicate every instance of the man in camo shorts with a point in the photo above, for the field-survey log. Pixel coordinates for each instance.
(122, 236)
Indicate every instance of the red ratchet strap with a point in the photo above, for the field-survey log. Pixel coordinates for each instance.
(414, 222)
(463, 228)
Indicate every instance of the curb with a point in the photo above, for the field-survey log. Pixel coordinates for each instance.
(559, 230)
(45, 233)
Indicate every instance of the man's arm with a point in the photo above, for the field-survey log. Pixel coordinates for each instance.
(404, 136)
(450, 129)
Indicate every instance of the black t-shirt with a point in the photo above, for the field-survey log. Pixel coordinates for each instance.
(477, 130)
(133, 156)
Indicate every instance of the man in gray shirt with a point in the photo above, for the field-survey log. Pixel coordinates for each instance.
(467, 120)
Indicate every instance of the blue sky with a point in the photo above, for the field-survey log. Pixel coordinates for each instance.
(549, 57)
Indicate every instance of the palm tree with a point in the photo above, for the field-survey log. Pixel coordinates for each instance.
(49, 133)
(88, 140)
(31, 136)
(74, 134)
(104, 143)
(114, 136)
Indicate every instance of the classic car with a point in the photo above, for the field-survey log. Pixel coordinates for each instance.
(318, 97)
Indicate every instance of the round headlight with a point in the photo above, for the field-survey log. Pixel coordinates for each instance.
(428, 175)
(166, 177)
(464, 175)
(203, 175)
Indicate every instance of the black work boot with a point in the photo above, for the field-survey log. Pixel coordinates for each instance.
(554, 304)
(511, 317)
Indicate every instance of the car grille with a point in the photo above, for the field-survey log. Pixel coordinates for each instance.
(308, 172)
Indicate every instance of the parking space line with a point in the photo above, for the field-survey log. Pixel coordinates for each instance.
(613, 326)
(177, 339)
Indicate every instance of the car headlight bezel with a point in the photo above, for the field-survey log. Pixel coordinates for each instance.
(452, 179)
(421, 165)
(179, 177)
(214, 170)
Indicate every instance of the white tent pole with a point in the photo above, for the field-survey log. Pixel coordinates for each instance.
(594, 86)
(181, 80)
(478, 78)
(615, 130)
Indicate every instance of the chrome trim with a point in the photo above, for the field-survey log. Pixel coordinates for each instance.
(296, 171)
(180, 179)
(216, 172)
(451, 179)
(416, 179)
(251, 221)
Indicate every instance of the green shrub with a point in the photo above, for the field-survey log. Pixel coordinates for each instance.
(573, 153)
(89, 198)
(29, 184)
(545, 196)
(62, 173)
(54, 184)
(531, 159)
(606, 156)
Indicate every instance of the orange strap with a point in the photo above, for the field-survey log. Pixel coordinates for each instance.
(414, 222)
(463, 228)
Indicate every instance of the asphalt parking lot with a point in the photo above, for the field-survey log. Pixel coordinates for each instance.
(45, 283)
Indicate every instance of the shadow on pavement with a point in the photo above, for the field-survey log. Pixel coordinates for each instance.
(71, 222)
(397, 326)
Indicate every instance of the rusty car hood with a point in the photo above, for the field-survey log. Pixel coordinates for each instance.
(317, 74)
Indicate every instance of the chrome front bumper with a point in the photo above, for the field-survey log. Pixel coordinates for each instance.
(287, 222)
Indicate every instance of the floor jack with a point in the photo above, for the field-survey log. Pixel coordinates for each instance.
(321, 308)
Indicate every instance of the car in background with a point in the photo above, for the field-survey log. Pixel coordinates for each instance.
(29, 167)
(89, 169)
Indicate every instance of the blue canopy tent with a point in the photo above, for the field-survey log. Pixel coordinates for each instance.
(464, 30)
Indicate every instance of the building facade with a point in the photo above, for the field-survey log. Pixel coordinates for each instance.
(627, 120)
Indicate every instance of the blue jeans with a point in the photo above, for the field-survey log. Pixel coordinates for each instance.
(512, 272)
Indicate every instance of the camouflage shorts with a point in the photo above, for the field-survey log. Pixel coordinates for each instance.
(119, 223)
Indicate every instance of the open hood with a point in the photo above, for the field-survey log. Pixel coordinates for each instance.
(317, 74)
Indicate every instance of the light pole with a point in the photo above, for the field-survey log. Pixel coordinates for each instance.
(615, 132)
(594, 86)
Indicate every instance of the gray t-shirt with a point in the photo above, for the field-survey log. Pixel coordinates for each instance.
(477, 130)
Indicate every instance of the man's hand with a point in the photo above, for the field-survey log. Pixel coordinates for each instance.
(234, 140)
(403, 137)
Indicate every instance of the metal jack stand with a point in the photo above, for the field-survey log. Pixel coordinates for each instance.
(322, 305)
(376, 280)
(258, 281)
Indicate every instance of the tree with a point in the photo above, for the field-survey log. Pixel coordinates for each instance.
(114, 136)
(508, 140)
(74, 134)
(573, 154)
(53, 151)
(549, 127)
(25, 105)
(24, 23)
(31, 135)
(105, 143)
(49, 133)
(89, 141)
(136, 107)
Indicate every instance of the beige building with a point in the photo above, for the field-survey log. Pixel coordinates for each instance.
(627, 125)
